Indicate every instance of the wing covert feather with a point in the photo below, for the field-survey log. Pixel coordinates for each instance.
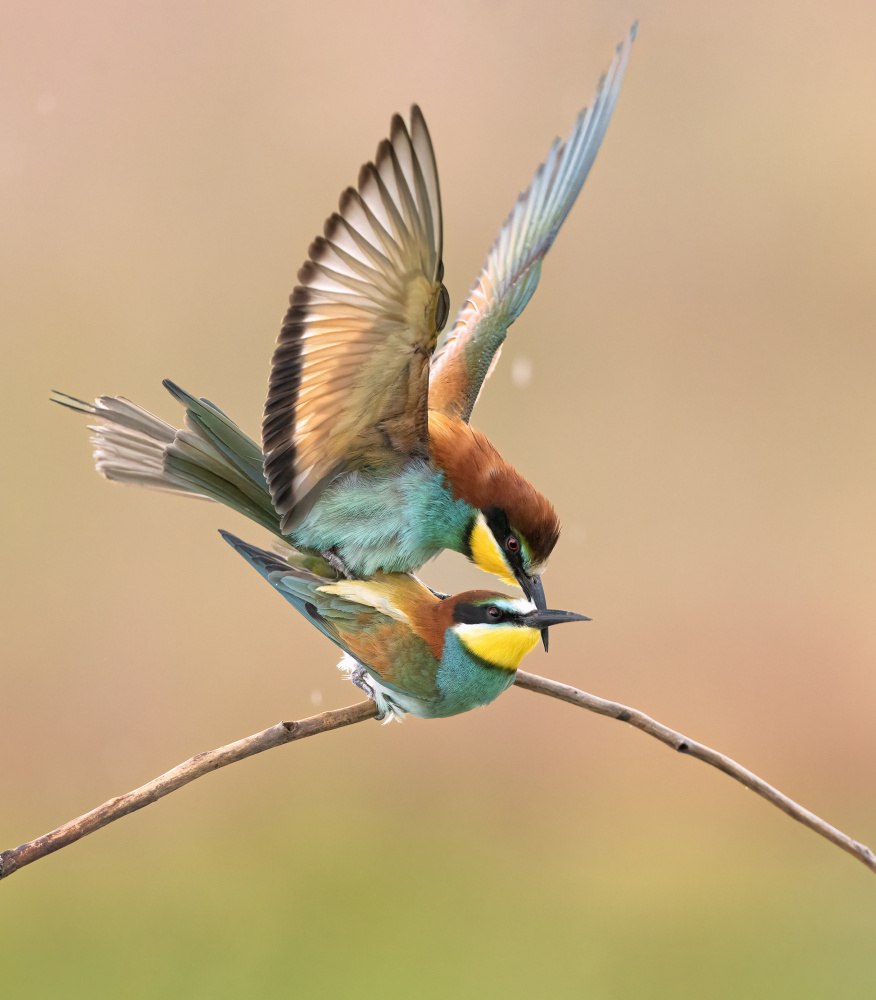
(513, 266)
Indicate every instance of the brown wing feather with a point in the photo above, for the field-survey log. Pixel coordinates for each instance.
(403, 636)
(349, 376)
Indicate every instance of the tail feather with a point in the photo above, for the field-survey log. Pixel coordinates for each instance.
(206, 419)
(129, 442)
(120, 412)
(125, 456)
(211, 458)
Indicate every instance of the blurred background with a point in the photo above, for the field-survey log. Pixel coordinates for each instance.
(692, 385)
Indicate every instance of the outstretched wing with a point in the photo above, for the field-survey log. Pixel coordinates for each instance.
(513, 266)
(349, 376)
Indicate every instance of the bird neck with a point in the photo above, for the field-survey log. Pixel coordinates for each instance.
(468, 460)
(467, 680)
(476, 473)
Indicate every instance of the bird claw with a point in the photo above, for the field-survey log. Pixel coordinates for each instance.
(386, 710)
(360, 678)
(334, 560)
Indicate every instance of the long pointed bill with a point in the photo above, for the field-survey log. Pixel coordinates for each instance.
(531, 586)
(544, 618)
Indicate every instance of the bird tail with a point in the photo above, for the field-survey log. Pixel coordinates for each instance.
(210, 458)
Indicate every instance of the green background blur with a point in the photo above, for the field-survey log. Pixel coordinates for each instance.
(701, 411)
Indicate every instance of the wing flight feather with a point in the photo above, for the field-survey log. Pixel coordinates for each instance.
(513, 267)
(349, 376)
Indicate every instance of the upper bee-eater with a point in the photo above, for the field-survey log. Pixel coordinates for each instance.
(409, 650)
(368, 455)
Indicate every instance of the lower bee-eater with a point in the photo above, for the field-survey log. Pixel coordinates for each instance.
(408, 649)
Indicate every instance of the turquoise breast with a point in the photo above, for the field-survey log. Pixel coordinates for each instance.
(391, 522)
(465, 681)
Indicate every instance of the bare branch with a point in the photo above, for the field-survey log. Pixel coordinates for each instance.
(288, 732)
(182, 774)
(614, 710)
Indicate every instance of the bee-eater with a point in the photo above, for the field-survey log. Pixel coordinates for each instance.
(407, 649)
(368, 455)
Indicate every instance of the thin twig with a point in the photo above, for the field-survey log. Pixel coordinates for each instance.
(182, 774)
(614, 710)
(288, 732)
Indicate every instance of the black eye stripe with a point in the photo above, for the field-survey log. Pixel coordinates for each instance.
(479, 614)
(497, 522)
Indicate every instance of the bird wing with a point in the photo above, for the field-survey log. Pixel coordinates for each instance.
(349, 376)
(386, 637)
(513, 266)
(363, 618)
(299, 585)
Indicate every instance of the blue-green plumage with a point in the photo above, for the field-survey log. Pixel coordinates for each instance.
(392, 524)
(466, 680)
(374, 521)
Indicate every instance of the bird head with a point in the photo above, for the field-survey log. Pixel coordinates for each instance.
(505, 549)
(516, 550)
(514, 528)
(501, 630)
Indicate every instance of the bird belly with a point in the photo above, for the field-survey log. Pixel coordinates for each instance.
(391, 522)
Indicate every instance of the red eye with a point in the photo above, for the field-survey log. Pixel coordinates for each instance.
(511, 544)
(494, 613)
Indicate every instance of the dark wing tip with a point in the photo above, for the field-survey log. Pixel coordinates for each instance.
(384, 152)
(261, 559)
(398, 128)
(297, 300)
(319, 248)
(278, 424)
(307, 272)
(366, 173)
(334, 222)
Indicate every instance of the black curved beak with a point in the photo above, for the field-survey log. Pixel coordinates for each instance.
(531, 586)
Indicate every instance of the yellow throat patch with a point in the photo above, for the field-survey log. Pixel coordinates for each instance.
(502, 645)
(486, 553)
